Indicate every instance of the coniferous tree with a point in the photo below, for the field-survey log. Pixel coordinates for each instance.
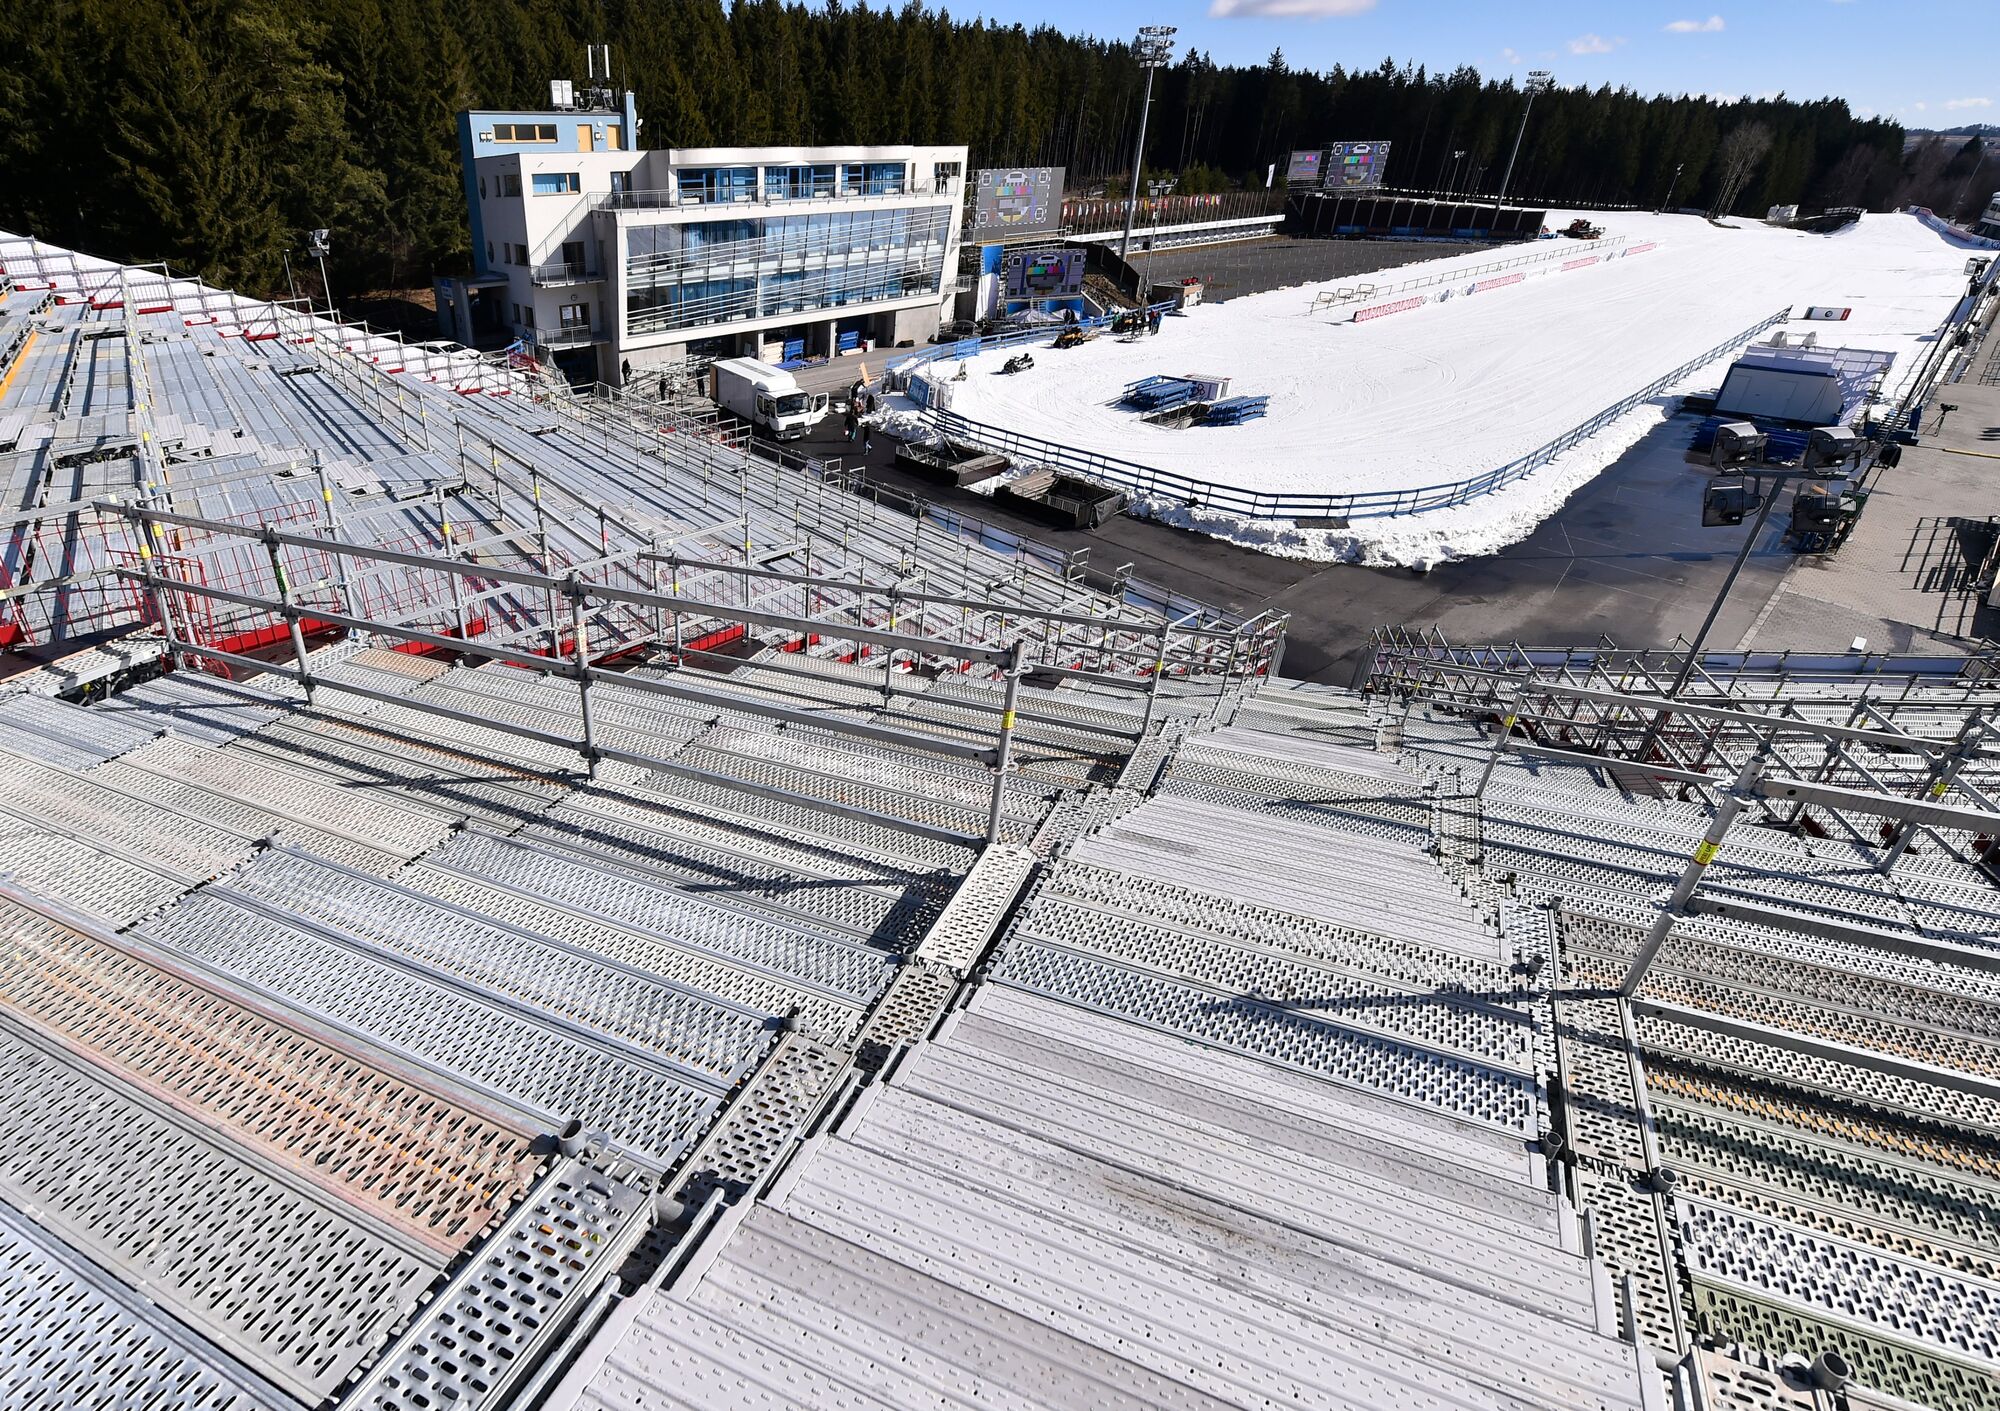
(212, 133)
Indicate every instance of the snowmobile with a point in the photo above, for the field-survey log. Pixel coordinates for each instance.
(1020, 362)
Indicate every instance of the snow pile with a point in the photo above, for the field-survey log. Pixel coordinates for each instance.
(1459, 387)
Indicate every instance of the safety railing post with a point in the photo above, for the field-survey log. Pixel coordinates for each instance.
(457, 593)
(580, 648)
(548, 568)
(1228, 676)
(331, 518)
(287, 610)
(674, 564)
(1937, 783)
(1004, 747)
(1733, 803)
(1505, 732)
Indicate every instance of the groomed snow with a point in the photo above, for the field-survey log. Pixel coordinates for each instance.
(1459, 387)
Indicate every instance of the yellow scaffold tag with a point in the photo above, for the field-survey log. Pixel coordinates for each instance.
(1508, 723)
(1940, 789)
(1705, 852)
(1006, 720)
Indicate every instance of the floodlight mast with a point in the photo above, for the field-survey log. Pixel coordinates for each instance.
(1154, 48)
(1539, 81)
(318, 246)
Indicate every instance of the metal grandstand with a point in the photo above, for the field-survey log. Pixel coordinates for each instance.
(514, 900)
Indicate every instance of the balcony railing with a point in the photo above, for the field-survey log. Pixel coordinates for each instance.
(565, 272)
(565, 336)
(775, 194)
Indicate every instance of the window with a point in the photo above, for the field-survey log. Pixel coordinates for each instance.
(509, 183)
(482, 188)
(872, 178)
(489, 252)
(524, 132)
(528, 314)
(557, 183)
(575, 317)
(798, 183)
(706, 185)
(517, 313)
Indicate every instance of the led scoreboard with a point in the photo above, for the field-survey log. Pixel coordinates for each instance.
(1352, 164)
(1044, 274)
(1010, 201)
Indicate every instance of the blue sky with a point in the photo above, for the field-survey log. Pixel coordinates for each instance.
(1926, 63)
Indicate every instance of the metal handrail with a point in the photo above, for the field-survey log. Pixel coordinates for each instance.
(561, 271)
(774, 195)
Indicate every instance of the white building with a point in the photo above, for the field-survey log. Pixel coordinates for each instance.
(599, 255)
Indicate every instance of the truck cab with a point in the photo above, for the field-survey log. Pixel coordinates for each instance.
(789, 415)
(769, 398)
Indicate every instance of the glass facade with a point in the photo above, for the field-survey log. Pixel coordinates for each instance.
(706, 186)
(685, 275)
(872, 179)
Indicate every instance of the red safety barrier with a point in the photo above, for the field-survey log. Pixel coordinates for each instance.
(722, 637)
(242, 642)
(1579, 264)
(1498, 281)
(474, 627)
(1383, 310)
(1642, 249)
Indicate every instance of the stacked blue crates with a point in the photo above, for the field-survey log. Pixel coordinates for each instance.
(1157, 394)
(1232, 411)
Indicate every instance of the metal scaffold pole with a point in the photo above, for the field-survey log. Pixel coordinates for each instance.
(1733, 803)
(1004, 753)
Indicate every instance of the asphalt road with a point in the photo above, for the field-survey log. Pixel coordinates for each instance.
(1625, 558)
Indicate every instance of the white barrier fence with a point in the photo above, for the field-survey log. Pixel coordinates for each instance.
(1436, 279)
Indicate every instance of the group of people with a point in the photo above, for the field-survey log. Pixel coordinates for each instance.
(860, 404)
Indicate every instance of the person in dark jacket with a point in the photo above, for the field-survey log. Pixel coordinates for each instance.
(853, 421)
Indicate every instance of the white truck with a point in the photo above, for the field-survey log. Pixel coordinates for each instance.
(767, 397)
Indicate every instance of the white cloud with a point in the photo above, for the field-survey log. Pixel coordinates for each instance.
(1955, 104)
(1593, 44)
(1512, 56)
(1712, 25)
(1287, 9)
(1918, 106)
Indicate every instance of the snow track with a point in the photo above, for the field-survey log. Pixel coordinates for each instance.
(1460, 386)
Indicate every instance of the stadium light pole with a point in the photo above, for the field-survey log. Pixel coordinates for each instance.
(319, 246)
(1154, 48)
(1539, 80)
(1667, 200)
